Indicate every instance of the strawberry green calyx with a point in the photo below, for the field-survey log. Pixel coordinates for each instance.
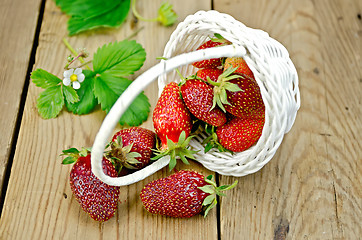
(121, 155)
(220, 39)
(179, 149)
(73, 154)
(210, 201)
(166, 15)
(222, 85)
(212, 141)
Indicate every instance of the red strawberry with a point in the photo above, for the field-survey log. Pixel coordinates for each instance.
(170, 116)
(245, 103)
(96, 198)
(183, 194)
(215, 62)
(198, 97)
(132, 147)
(241, 65)
(172, 123)
(240, 133)
(212, 73)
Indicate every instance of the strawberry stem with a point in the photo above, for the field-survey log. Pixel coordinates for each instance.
(222, 85)
(78, 56)
(179, 149)
(212, 189)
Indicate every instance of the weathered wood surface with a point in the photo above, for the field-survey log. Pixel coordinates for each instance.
(309, 190)
(17, 30)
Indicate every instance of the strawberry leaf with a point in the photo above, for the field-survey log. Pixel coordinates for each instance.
(86, 8)
(87, 15)
(87, 100)
(107, 89)
(70, 94)
(50, 102)
(119, 59)
(44, 79)
(112, 62)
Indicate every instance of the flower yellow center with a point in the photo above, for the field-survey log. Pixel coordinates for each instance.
(73, 77)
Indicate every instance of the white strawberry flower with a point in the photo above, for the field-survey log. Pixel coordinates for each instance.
(74, 77)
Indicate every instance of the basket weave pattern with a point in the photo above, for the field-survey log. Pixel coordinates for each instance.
(273, 71)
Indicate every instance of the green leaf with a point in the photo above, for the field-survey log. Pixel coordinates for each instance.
(107, 89)
(232, 87)
(172, 163)
(207, 189)
(70, 94)
(119, 58)
(70, 151)
(86, 8)
(212, 205)
(87, 100)
(44, 79)
(69, 160)
(208, 200)
(50, 102)
(112, 18)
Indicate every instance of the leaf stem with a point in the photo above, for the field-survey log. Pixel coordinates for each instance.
(135, 33)
(139, 16)
(71, 49)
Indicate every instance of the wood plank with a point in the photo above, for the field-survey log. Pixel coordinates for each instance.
(311, 188)
(18, 25)
(39, 203)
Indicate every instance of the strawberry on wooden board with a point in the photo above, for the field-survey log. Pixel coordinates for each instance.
(95, 197)
(240, 134)
(241, 65)
(182, 195)
(198, 97)
(132, 147)
(218, 40)
(172, 124)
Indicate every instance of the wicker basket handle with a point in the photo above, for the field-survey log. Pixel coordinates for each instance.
(134, 89)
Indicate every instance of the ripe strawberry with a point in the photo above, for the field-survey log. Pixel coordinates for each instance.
(183, 194)
(96, 198)
(212, 73)
(132, 147)
(170, 116)
(241, 65)
(240, 133)
(218, 40)
(172, 123)
(198, 97)
(245, 103)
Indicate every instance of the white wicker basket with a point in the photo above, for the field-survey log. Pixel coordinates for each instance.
(273, 71)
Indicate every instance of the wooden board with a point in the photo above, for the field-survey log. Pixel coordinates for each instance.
(39, 203)
(17, 29)
(310, 188)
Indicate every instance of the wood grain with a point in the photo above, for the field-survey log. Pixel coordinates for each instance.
(39, 203)
(310, 190)
(17, 29)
